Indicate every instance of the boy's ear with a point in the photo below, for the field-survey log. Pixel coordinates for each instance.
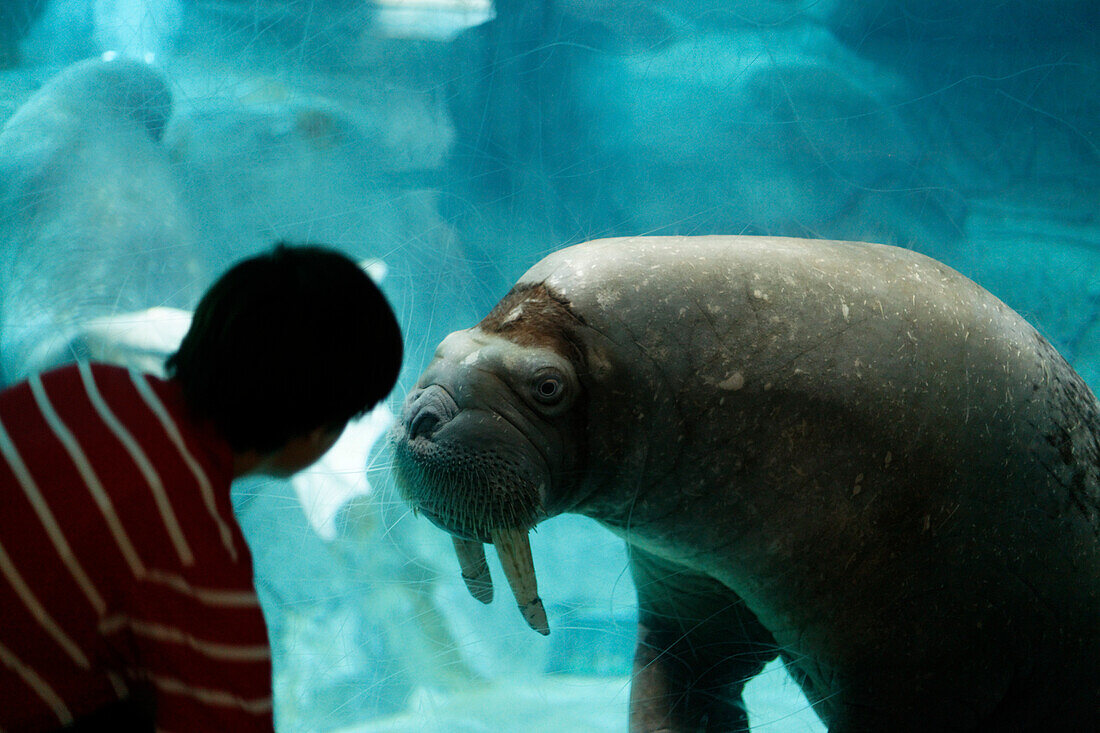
(324, 434)
(319, 436)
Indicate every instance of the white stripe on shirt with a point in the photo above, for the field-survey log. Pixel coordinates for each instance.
(216, 698)
(49, 522)
(208, 596)
(152, 478)
(174, 435)
(212, 649)
(121, 689)
(36, 683)
(44, 619)
(80, 461)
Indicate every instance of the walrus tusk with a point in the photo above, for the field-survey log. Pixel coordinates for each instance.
(475, 571)
(514, 549)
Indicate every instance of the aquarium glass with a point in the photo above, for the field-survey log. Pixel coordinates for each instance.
(449, 145)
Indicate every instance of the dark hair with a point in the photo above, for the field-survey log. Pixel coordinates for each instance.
(286, 342)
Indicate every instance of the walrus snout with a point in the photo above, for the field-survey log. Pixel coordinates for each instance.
(470, 454)
(427, 410)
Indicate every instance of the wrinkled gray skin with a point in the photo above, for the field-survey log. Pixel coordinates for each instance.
(845, 454)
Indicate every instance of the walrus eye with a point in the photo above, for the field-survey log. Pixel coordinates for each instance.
(549, 389)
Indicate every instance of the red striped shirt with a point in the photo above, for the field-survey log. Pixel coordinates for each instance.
(122, 567)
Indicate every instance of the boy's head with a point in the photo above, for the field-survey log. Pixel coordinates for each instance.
(284, 343)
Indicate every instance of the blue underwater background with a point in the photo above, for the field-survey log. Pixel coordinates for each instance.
(449, 145)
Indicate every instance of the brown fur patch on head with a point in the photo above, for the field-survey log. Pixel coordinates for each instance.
(534, 315)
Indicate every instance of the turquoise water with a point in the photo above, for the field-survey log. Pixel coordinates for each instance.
(452, 144)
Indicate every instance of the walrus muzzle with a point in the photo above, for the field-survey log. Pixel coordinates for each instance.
(477, 494)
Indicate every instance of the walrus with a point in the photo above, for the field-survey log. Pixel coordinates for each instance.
(93, 223)
(847, 455)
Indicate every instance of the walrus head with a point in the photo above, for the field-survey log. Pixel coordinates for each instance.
(487, 440)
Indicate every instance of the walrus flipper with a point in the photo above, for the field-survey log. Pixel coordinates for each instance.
(697, 646)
